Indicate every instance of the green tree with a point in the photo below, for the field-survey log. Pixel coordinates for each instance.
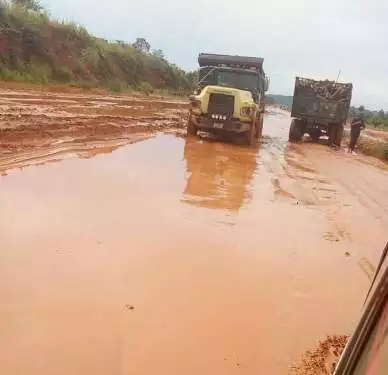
(142, 45)
(376, 121)
(158, 53)
(34, 5)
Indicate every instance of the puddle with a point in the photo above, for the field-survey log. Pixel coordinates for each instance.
(219, 277)
(128, 251)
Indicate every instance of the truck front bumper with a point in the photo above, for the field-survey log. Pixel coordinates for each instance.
(230, 125)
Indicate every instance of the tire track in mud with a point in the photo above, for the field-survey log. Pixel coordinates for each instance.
(352, 195)
(301, 184)
(296, 180)
(319, 178)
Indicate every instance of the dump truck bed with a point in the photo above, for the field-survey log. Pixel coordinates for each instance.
(325, 101)
(245, 62)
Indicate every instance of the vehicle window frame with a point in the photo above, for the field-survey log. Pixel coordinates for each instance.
(371, 357)
(374, 307)
(238, 73)
(208, 76)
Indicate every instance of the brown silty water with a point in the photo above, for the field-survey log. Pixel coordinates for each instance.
(178, 255)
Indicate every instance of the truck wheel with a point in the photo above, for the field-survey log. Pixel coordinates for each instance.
(295, 134)
(260, 126)
(192, 130)
(339, 135)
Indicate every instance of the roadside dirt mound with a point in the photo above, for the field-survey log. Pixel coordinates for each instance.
(37, 122)
(380, 134)
(323, 359)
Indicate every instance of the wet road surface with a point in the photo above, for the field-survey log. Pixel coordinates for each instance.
(184, 256)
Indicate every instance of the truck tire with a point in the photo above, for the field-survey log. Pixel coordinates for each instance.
(192, 130)
(295, 134)
(260, 126)
(339, 135)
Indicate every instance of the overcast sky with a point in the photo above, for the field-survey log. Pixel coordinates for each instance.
(313, 38)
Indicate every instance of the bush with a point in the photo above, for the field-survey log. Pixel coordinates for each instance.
(370, 146)
(116, 86)
(30, 73)
(378, 149)
(91, 57)
(146, 88)
(40, 73)
(63, 74)
(378, 121)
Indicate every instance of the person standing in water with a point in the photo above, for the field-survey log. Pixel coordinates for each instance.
(356, 126)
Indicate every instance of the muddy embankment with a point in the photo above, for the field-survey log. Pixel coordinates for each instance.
(372, 142)
(40, 126)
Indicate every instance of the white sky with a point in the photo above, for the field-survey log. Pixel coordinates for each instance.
(313, 38)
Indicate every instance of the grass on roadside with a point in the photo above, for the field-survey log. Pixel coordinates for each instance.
(372, 147)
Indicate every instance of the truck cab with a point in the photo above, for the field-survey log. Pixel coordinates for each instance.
(229, 97)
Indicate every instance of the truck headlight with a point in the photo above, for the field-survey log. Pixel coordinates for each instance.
(219, 117)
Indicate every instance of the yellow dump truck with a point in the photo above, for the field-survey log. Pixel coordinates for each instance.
(229, 97)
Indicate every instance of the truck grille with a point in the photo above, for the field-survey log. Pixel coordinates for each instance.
(221, 104)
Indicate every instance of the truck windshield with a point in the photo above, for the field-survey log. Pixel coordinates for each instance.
(238, 80)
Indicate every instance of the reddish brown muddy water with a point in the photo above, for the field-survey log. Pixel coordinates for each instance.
(179, 255)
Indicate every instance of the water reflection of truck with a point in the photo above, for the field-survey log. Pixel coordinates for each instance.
(320, 108)
(229, 96)
(218, 174)
(367, 350)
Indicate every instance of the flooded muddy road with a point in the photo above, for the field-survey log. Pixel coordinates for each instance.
(39, 127)
(175, 255)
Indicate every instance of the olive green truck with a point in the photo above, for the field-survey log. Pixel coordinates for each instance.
(320, 108)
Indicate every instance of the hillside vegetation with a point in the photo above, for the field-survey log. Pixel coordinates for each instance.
(375, 119)
(285, 100)
(35, 48)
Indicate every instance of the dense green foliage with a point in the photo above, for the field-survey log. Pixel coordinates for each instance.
(35, 48)
(375, 119)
